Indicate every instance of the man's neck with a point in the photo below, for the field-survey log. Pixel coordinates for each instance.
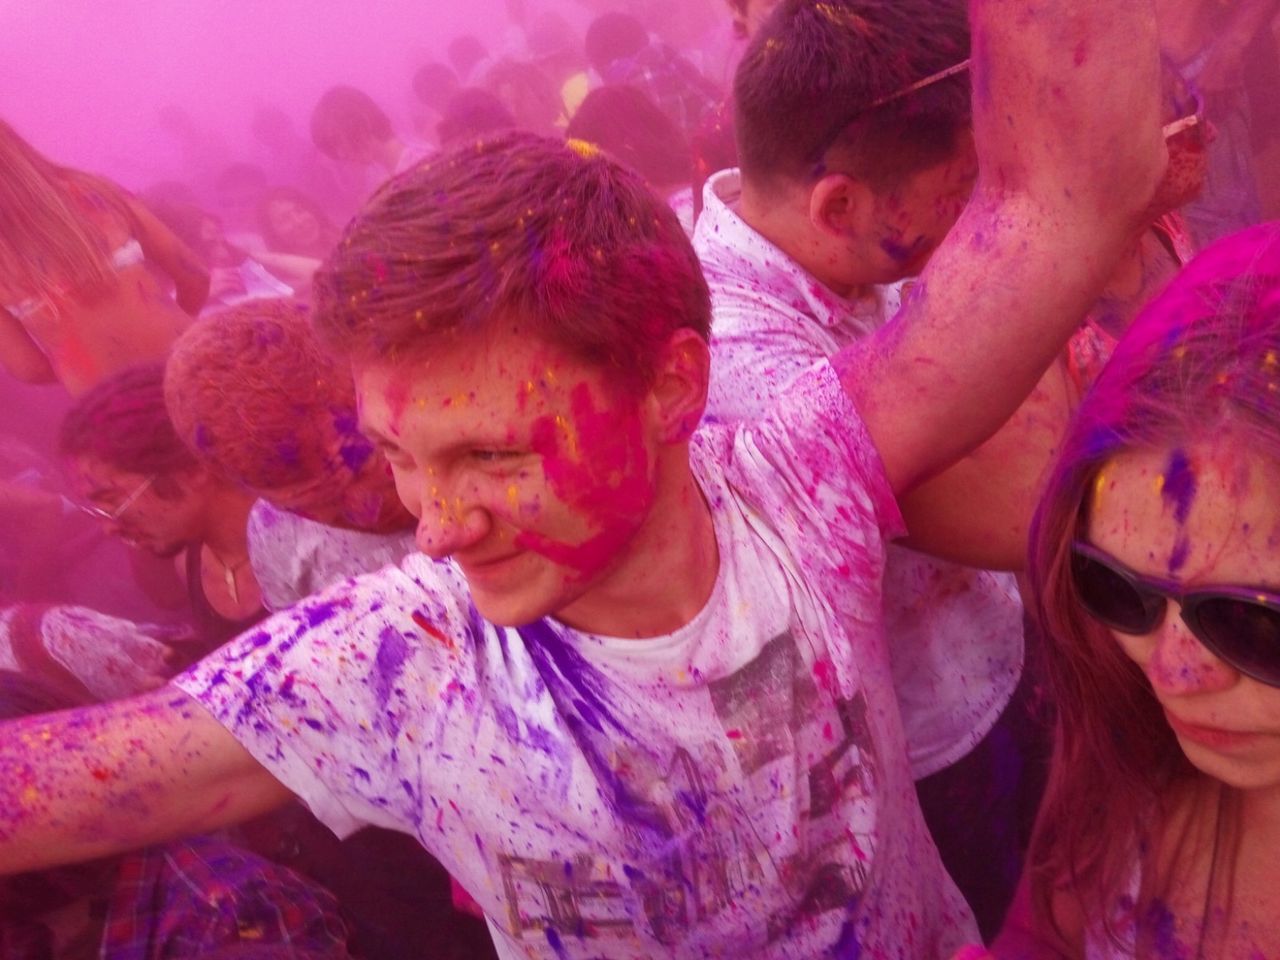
(774, 218)
(668, 571)
(226, 519)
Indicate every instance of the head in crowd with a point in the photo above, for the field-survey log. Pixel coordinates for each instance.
(611, 37)
(273, 128)
(627, 125)
(240, 187)
(470, 114)
(528, 94)
(255, 397)
(748, 15)
(199, 230)
(46, 240)
(130, 467)
(527, 325)
(859, 193)
(434, 84)
(349, 127)
(1168, 478)
(291, 222)
(553, 44)
(465, 54)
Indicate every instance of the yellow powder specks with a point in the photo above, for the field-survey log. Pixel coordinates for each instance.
(569, 434)
(584, 149)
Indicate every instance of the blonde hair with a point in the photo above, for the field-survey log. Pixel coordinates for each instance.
(48, 245)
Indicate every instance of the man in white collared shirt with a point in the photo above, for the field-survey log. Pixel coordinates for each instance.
(804, 250)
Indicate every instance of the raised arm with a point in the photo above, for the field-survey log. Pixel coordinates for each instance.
(1067, 122)
(105, 779)
(164, 250)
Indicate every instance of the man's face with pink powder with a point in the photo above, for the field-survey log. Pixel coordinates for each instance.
(521, 462)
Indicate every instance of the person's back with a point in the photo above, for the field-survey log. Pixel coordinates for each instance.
(78, 298)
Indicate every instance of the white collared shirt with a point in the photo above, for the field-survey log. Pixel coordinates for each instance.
(954, 633)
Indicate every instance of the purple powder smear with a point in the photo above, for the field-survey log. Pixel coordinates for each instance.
(1179, 487)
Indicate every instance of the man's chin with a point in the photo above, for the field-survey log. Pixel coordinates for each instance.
(164, 551)
(512, 608)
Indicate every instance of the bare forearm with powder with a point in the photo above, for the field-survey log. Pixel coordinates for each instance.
(1064, 183)
(101, 780)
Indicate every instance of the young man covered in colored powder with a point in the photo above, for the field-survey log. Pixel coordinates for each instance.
(635, 693)
(849, 180)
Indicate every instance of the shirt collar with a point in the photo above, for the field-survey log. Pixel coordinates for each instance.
(725, 243)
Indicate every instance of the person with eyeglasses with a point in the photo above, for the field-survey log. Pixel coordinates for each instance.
(1157, 583)
(137, 477)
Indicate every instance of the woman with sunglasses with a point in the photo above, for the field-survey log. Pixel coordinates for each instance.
(1156, 573)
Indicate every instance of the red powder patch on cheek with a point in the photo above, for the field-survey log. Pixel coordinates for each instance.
(597, 465)
(396, 397)
(1080, 55)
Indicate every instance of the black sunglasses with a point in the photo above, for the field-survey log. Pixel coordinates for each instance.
(1238, 625)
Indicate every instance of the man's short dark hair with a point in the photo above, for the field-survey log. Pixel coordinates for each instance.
(804, 91)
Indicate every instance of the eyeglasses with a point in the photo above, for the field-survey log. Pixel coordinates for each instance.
(1238, 625)
(119, 510)
(906, 91)
(1195, 119)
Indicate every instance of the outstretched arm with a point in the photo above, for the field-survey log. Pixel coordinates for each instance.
(102, 780)
(1067, 123)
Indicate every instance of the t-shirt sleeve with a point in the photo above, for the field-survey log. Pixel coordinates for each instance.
(750, 370)
(274, 553)
(814, 466)
(346, 698)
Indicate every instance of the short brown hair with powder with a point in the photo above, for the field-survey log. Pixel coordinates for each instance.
(557, 235)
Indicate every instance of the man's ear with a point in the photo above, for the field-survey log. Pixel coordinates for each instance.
(840, 207)
(678, 395)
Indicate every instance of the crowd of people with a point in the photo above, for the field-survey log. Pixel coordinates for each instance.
(623, 516)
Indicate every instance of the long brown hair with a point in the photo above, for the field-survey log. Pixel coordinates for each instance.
(1202, 359)
(48, 245)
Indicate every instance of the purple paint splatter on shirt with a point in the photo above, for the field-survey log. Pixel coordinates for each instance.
(393, 651)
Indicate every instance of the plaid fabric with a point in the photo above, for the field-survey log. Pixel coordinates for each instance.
(671, 81)
(194, 897)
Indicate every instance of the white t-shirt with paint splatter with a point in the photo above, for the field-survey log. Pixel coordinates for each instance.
(955, 633)
(293, 557)
(739, 788)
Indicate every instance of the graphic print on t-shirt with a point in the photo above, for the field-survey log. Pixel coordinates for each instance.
(714, 845)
